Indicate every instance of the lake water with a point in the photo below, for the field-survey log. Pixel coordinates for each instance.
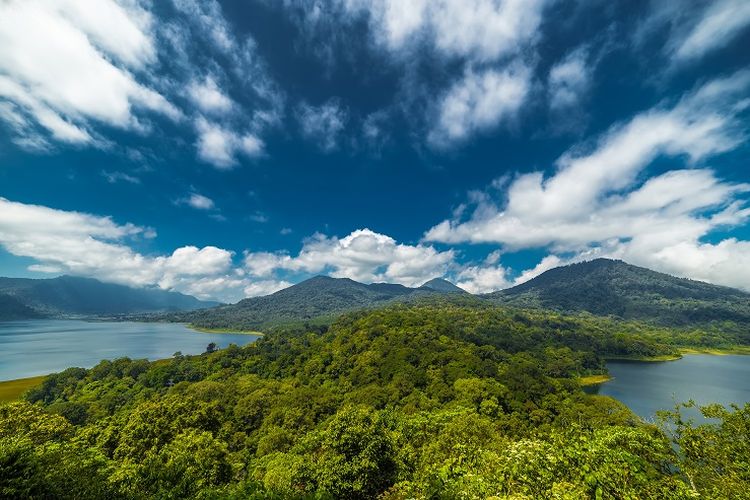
(646, 387)
(39, 347)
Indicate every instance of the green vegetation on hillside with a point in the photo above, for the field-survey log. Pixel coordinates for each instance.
(613, 288)
(412, 401)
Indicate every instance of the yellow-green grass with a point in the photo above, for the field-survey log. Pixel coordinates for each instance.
(665, 357)
(10, 390)
(201, 329)
(594, 379)
(721, 351)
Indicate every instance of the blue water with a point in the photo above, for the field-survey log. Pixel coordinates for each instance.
(39, 347)
(646, 387)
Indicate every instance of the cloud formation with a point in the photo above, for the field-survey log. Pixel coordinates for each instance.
(597, 198)
(363, 255)
(322, 124)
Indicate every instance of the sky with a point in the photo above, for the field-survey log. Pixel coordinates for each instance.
(231, 149)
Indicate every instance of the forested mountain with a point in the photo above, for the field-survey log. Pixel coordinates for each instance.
(402, 402)
(13, 309)
(610, 287)
(72, 296)
(317, 299)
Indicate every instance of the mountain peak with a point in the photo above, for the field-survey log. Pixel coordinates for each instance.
(442, 285)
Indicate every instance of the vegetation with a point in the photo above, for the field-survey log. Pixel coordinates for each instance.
(411, 401)
(312, 303)
(613, 288)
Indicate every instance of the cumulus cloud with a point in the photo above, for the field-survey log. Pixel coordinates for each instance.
(597, 197)
(322, 124)
(67, 67)
(199, 202)
(363, 255)
(207, 95)
(89, 245)
(480, 101)
(221, 147)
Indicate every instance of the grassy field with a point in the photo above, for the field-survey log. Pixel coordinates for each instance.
(223, 330)
(11, 390)
(594, 379)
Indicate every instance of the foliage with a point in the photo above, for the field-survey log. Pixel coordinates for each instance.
(411, 401)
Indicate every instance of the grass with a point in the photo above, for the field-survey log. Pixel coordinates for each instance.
(594, 379)
(10, 390)
(665, 357)
(716, 351)
(224, 330)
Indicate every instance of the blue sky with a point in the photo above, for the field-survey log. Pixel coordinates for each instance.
(228, 149)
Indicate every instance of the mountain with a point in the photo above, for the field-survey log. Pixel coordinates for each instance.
(73, 296)
(607, 287)
(441, 285)
(12, 309)
(317, 298)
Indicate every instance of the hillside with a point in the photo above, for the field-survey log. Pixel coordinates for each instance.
(613, 288)
(401, 402)
(73, 296)
(13, 309)
(316, 299)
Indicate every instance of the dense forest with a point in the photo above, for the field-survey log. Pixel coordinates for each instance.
(409, 401)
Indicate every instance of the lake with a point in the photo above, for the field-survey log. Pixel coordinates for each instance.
(39, 347)
(646, 387)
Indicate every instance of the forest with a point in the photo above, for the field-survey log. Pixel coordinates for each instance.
(407, 401)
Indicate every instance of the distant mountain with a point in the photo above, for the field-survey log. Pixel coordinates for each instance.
(613, 288)
(72, 296)
(441, 285)
(312, 300)
(13, 309)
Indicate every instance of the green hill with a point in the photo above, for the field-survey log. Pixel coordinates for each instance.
(613, 288)
(316, 300)
(401, 402)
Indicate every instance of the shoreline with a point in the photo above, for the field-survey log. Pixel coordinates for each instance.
(230, 331)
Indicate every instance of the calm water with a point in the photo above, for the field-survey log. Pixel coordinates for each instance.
(38, 347)
(648, 386)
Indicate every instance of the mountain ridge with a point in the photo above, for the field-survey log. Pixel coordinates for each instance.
(606, 287)
(67, 296)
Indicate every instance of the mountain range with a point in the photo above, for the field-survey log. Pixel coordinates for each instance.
(599, 287)
(317, 299)
(69, 296)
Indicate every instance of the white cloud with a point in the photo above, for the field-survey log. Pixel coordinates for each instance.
(578, 204)
(220, 147)
(207, 95)
(482, 30)
(480, 101)
(598, 202)
(483, 279)
(200, 202)
(89, 245)
(322, 124)
(114, 177)
(717, 25)
(569, 80)
(363, 255)
(66, 66)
